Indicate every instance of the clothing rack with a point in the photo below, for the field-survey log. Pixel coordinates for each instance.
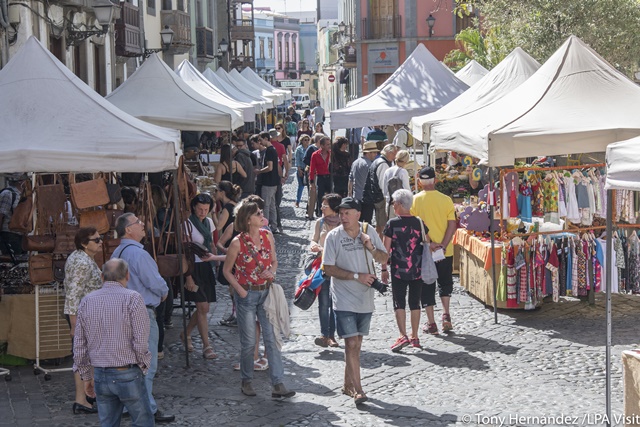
(552, 168)
(569, 230)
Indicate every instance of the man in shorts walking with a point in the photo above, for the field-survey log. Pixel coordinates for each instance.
(349, 252)
(439, 215)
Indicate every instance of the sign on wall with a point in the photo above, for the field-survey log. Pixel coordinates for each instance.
(290, 83)
(383, 58)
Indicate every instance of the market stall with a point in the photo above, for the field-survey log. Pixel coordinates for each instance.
(239, 79)
(191, 76)
(421, 85)
(472, 73)
(251, 75)
(154, 93)
(248, 91)
(70, 128)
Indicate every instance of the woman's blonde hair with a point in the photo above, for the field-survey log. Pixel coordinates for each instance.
(402, 156)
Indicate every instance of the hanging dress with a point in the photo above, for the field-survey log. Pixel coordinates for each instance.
(513, 200)
(573, 212)
(524, 201)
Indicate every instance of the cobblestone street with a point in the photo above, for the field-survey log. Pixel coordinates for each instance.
(542, 363)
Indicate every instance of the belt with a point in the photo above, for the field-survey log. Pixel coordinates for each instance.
(124, 368)
(256, 287)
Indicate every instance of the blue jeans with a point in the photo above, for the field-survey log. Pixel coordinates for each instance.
(325, 310)
(300, 187)
(247, 309)
(154, 336)
(116, 390)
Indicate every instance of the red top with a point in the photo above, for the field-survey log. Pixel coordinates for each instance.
(279, 149)
(250, 261)
(318, 164)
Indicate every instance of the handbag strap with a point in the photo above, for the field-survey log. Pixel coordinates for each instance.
(424, 235)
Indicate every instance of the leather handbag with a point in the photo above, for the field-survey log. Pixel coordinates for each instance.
(50, 198)
(41, 269)
(89, 194)
(58, 269)
(169, 265)
(112, 216)
(115, 195)
(45, 243)
(65, 240)
(22, 217)
(96, 218)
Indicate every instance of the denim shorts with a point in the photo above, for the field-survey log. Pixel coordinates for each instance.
(350, 324)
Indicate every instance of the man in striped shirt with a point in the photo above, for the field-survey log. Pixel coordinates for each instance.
(112, 334)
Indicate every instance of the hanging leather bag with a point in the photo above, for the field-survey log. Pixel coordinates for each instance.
(22, 217)
(41, 269)
(50, 198)
(170, 265)
(95, 218)
(65, 239)
(58, 269)
(45, 243)
(89, 194)
(113, 189)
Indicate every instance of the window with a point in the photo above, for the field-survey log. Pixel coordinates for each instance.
(286, 51)
(293, 53)
(166, 4)
(151, 7)
(270, 48)
(280, 54)
(261, 47)
(180, 5)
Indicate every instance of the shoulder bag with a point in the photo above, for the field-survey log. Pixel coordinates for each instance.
(22, 217)
(89, 194)
(41, 269)
(429, 271)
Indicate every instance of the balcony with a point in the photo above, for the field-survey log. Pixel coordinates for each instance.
(389, 27)
(180, 23)
(289, 65)
(302, 66)
(128, 34)
(242, 29)
(247, 62)
(204, 42)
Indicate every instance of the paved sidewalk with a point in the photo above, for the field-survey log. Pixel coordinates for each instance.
(542, 363)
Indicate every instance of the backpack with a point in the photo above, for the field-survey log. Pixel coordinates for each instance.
(394, 184)
(409, 137)
(292, 128)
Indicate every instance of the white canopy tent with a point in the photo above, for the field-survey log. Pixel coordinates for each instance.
(155, 93)
(472, 72)
(420, 85)
(53, 122)
(231, 91)
(510, 73)
(251, 75)
(575, 103)
(277, 98)
(187, 72)
(252, 93)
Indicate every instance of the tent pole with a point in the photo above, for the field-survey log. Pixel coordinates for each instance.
(608, 301)
(493, 251)
(176, 213)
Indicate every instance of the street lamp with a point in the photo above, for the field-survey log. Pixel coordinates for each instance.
(166, 35)
(103, 10)
(342, 26)
(431, 21)
(223, 51)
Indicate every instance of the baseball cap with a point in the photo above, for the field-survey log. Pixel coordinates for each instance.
(349, 203)
(427, 172)
(273, 133)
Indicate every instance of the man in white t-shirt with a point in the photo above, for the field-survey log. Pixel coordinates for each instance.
(400, 140)
(363, 135)
(349, 255)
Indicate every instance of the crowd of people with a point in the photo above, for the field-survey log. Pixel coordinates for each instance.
(115, 361)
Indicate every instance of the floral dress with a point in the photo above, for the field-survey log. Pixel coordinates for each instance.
(81, 276)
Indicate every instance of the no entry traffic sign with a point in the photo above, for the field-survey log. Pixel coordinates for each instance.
(332, 78)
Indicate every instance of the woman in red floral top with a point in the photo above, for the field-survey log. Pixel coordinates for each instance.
(252, 255)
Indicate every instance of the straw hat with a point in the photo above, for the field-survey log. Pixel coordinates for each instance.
(370, 147)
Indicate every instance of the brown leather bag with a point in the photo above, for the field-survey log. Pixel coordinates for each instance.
(41, 269)
(22, 217)
(89, 194)
(169, 265)
(109, 245)
(112, 216)
(50, 198)
(38, 243)
(97, 219)
(65, 239)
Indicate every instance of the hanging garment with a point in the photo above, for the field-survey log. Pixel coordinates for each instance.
(501, 291)
(523, 294)
(511, 278)
(537, 198)
(614, 271)
(513, 201)
(524, 201)
(581, 275)
(562, 269)
(550, 194)
(573, 212)
(562, 205)
(597, 268)
(603, 196)
(553, 265)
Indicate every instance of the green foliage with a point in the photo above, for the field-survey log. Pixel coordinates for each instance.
(539, 27)
(485, 48)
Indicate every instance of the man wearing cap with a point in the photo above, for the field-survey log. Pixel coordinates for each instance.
(360, 170)
(9, 199)
(349, 253)
(439, 215)
(373, 197)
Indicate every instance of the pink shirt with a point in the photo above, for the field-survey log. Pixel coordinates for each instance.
(112, 330)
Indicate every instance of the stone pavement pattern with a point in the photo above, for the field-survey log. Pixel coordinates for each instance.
(548, 362)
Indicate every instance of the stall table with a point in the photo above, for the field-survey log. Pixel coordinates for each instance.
(476, 274)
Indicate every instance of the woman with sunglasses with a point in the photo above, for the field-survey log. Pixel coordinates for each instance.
(252, 254)
(305, 129)
(81, 276)
(200, 286)
(283, 138)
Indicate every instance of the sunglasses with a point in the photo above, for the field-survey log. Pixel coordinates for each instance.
(259, 213)
(135, 222)
(96, 240)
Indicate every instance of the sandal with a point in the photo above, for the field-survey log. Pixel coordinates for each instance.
(359, 398)
(208, 353)
(261, 364)
(187, 344)
(348, 391)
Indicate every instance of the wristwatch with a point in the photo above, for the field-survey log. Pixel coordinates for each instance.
(355, 276)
